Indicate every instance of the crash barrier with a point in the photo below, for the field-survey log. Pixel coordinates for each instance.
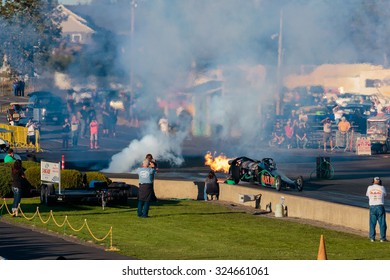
(298, 207)
(16, 136)
(324, 169)
(60, 225)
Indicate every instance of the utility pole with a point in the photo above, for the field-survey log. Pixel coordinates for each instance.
(132, 27)
(279, 70)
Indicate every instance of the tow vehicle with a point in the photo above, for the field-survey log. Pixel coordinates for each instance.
(97, 192)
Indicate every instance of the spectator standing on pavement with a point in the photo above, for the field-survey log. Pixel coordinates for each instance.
(21, 86)
(113, 120)
(31, 126)
(70, 100)
(74, 128)
(376, 195)
(82, 115)
(327, 128)
(15, 87)
(344, 126)
(17, 174)
(65, 133)
(10, 156)
(106, 119)
(94, 133)
(145, 191)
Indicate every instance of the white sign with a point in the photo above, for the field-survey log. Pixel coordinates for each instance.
(50, 171)
(363, 146)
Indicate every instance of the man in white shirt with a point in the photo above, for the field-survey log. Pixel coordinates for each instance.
(31, 132)
(338, 114)
(376, 194)
(164, 126)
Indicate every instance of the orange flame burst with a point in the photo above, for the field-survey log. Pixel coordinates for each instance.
(217, 164)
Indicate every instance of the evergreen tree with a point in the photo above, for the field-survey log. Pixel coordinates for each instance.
(29, 30)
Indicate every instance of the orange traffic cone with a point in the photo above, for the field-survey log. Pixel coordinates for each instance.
(322, 250)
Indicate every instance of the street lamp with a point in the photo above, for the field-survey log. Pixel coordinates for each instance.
(278, 71)
(134, 5)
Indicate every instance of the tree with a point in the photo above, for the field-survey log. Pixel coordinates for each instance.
(29, 31)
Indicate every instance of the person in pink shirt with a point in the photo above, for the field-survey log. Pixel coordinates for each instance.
(94, 131)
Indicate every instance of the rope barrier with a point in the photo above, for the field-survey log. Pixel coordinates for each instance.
(60, 225)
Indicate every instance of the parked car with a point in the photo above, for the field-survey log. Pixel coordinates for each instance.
(316, 114)
(47, 107)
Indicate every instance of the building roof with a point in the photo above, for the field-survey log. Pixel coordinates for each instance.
(73, 22)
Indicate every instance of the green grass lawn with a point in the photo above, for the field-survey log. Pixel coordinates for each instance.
(185, 229)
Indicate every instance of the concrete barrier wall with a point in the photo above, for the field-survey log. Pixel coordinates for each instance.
(298, 207)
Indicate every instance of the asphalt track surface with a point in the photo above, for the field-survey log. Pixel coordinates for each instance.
(353, 173)
(24, 243)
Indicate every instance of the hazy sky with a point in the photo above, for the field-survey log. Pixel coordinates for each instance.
(72, 2)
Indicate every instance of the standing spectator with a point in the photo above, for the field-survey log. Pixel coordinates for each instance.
(211, 186)
(17, 174)
(65, 133)
(106, 119)
(113, 120)
(145, 191)
(74, 128)
(301, 136)
(327, 128)
(163, 124)
(70, 100)
(338, 113)
(83, 119)
(152, 164)
(289, 132)
(376, 195)
(31, 126)
(15, 87)
(344, 126)
(21, 86)
(10, 156)
(94, 133)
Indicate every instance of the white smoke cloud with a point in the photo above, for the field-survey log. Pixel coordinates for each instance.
(161, 146)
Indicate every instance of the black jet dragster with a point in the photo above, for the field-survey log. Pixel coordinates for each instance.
(263, 172)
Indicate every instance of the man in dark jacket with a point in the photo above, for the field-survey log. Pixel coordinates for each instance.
(145, 191)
